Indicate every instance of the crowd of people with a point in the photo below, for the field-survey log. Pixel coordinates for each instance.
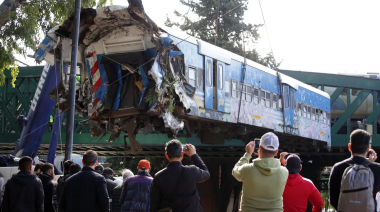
(269, 184)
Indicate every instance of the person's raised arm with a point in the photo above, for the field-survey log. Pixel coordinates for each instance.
(202, 173)
(240, 170)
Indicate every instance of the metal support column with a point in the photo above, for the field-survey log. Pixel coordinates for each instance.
(72, 83)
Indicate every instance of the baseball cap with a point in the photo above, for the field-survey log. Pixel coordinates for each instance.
(144, 163)
(269, 141)
(293, 164)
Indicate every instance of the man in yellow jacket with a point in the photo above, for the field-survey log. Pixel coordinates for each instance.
(264, 179)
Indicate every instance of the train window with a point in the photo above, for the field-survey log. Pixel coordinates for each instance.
(291, 99)
(227, 87)
(262, 98)
(209, 73)
(255, 96)
(220, 76)
(316, 114)
(313, 113)
(244, 92)
(248, 94)
(321, 116)
(234, 89)
(286, 100)
(279, 103)
(299, 109)
(309, 112)
(267, 99)
(274, 105)
(328, 118)
(324, 117)
(192, 76)
(304, 113)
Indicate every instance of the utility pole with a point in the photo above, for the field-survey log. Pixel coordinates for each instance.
(72, 83)
(217, 22)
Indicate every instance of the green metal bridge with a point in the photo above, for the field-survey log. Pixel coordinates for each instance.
(16, 101)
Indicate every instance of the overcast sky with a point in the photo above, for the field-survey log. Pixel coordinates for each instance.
(333, 36)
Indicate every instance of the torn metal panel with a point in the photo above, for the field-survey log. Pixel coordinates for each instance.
(44, 48)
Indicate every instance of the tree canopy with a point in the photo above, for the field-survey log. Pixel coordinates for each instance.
(220, 22)
(24, 23)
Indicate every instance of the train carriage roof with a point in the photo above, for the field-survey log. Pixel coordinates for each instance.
(217, 50)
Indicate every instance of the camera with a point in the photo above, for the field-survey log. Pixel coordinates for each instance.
(257, 144)
(184, 147)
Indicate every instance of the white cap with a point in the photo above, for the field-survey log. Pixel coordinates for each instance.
(269, 141)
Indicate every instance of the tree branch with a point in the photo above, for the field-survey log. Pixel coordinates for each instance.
(6, 7)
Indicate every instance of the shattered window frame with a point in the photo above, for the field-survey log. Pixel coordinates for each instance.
(191, 68)
(208, 73)
(220, 77)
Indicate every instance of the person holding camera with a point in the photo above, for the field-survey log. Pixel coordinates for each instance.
(264, 179)
(175, 187)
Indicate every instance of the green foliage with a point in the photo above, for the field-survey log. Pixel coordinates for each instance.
(28, 25)
(229, 30)
(151, 96)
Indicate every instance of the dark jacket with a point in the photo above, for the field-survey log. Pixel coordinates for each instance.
(337, 174)
(85, 191)
(23, 192)
(110, 185)
(165, 181)
(116, 206)
(48, 185)
(61, 182)
(135, 195)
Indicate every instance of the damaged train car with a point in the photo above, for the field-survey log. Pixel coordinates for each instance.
(135, 77)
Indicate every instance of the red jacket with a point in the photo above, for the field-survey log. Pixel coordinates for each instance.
(297, 191)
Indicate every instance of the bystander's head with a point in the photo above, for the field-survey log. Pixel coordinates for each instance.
(268, 145)
(174, 150)
(144, 165)
(66, 166)
(25, 164)
(48, 169)
(37, 167)
(359, 142)
(99, 169)
(108, 172)
(90, 159)
(293, 164)
(74, 168)
(127, 174)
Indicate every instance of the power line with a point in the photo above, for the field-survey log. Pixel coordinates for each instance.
(266, 28)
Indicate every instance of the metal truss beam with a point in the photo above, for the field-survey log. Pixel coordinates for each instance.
(351, 108)
(335, 95)
(334, 80)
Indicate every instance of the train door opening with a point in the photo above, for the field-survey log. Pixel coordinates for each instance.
(214, 84)
(288, 94)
